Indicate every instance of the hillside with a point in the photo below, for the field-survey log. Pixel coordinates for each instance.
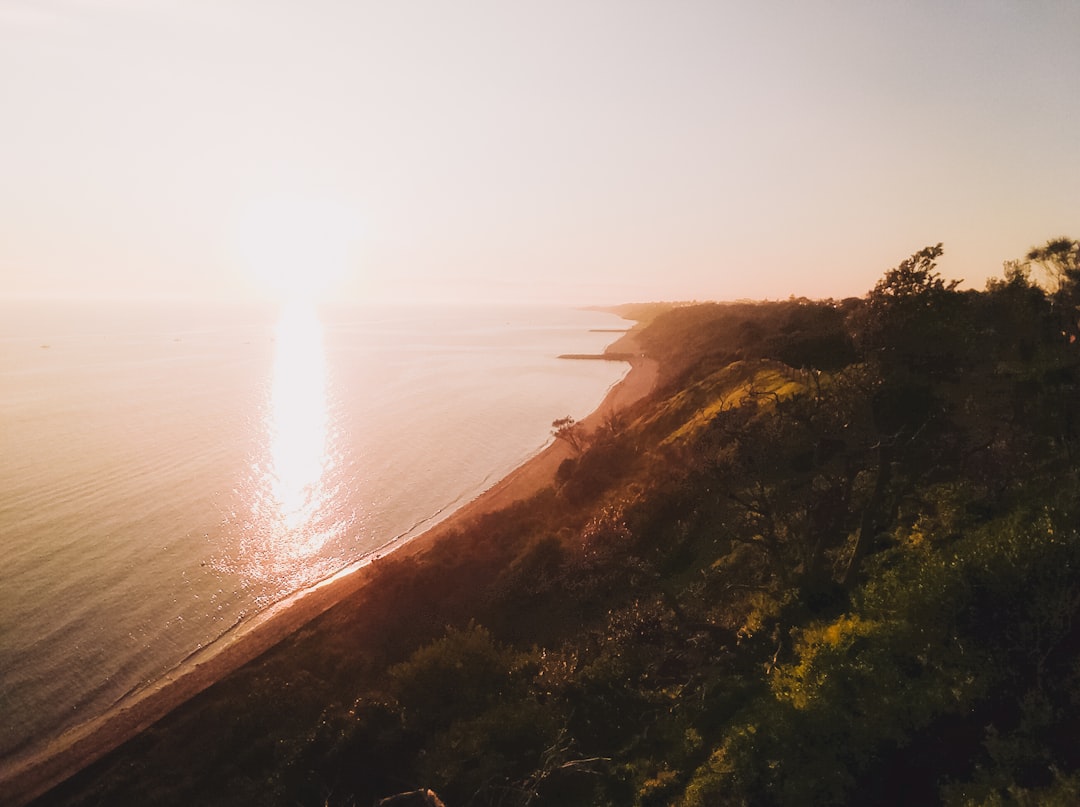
(831, 560)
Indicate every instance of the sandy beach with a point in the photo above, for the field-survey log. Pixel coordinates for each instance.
(26, 777)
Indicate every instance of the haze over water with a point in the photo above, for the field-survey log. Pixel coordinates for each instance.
(167, 471)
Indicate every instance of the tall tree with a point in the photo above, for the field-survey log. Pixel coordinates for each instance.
(1060, 259)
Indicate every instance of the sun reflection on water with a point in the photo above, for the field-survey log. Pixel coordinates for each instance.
(293, 510)
(298, 417)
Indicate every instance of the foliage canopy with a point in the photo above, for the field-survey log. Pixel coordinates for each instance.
(831, 560)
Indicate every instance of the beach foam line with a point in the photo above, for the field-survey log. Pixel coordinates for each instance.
(26, 777)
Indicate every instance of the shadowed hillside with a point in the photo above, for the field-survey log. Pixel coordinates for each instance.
(833, 559)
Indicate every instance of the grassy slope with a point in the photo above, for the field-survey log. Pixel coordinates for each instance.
(677, 624)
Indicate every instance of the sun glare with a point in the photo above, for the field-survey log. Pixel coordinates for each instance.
(297, 247)
(298, 419)
(295, 508)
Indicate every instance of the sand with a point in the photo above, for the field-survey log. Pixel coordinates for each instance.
(26, 777)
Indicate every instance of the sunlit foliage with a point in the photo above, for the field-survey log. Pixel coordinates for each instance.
(832, 560)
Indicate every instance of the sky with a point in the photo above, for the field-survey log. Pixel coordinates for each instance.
(589, 152)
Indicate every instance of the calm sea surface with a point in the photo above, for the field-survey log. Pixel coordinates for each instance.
(167, 471)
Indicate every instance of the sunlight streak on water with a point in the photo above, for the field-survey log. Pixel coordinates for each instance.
(170, 471)
(298, 418)
(293, 509)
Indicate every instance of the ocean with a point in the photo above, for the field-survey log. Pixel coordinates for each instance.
(169, 470)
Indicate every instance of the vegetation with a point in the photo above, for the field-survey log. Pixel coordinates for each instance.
(832, 560)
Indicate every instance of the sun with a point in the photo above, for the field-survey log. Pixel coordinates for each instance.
(297, 247)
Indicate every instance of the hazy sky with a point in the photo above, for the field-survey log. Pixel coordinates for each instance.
(594, 152)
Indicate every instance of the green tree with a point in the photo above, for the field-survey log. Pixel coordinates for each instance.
(569, 430)
(1060, 260)
(906, 322)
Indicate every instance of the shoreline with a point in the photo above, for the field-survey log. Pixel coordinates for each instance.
(27, 777)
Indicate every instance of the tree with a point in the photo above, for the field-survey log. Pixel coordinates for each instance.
(909, 320)
(571, 431)
(913, 279)
(1060, 259)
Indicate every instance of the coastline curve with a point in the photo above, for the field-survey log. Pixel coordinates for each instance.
(29, 776)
